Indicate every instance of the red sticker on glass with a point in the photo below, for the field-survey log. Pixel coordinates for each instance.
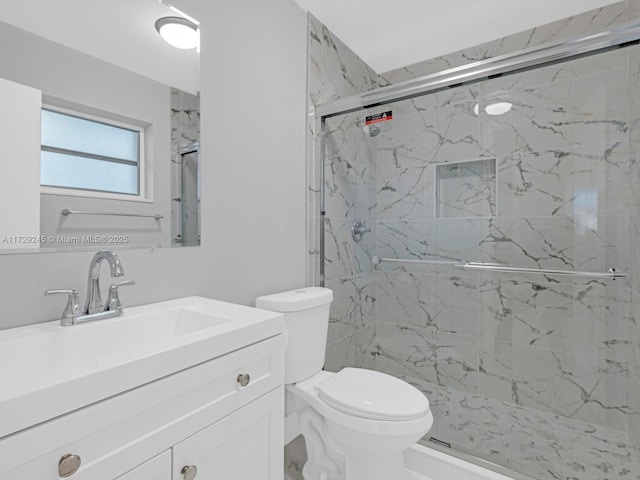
(379, 117)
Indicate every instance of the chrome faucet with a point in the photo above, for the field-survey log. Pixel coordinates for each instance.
(94, 299)
(94, 309)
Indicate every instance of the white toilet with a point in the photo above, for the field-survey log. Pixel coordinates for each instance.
(356, 423)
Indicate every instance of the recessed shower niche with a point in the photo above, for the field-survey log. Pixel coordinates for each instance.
(466, 189)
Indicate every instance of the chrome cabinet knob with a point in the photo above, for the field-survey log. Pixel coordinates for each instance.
(243, 379)
(189, 472)
(68, 465)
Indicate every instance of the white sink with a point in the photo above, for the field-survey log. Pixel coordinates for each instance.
(47, 370)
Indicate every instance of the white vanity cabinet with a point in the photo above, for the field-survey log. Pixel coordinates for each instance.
(246, 445)
(223, 416)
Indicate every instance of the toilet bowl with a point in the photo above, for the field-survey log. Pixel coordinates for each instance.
(356, 423)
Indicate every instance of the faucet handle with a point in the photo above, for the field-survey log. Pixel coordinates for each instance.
(113, 301)
(72, 310)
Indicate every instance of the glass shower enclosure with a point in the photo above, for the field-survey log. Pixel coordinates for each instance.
(479, 232)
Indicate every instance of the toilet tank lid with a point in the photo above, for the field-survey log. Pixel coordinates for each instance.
(295, 300)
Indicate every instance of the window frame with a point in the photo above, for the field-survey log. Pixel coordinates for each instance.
(101, 194)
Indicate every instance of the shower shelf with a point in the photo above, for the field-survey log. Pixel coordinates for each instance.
(611, 273)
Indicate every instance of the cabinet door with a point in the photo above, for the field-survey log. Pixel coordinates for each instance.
(245, 445)
(158, 468)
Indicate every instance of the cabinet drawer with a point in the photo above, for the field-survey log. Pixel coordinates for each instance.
(113, 436)
(246, 445)
(158, 468)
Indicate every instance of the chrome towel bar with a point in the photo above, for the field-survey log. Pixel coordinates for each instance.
(378, 260)
(157, 216)
(610, 273)
(495, 267)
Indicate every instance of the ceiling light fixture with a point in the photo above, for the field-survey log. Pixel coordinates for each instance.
(495, 108)
(498, 108)
(178, 32)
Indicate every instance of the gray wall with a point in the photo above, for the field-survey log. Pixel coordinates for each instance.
(253, 174)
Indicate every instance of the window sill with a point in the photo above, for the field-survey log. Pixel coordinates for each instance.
(93, 194)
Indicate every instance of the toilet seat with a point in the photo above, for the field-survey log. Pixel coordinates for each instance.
(308, 391)
(373, 395)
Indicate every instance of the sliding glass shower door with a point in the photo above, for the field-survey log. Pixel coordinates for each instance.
(532, 370)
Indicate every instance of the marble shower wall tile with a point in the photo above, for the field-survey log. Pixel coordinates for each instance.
(365, 248)
(365, 347)
(495, 304)
(339, 261)
(591, 243)
(343, 314)
(495, 376)
(589, 319)
(414, 240)
(633, 386)
(558, 348)
(340, 170)
(406, 351)
(458, 239)
(458, 304)
(366, 300)
(457, 124)
(411, 139)
(573, 386)
(314, 60)
(342, 72)
(341, 354)
(634, 174)
(407, 299)
(422, 352)
(634, 258)
(582, 181)
(584, 110)
(633, 427)
(457, 361)
(405, 193)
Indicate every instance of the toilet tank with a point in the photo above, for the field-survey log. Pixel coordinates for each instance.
(306, 315)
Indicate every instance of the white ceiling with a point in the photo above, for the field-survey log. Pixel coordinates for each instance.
(391, 34)
(385, 34)
(121, 32)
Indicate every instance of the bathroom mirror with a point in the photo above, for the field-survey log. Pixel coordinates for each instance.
(99, 118)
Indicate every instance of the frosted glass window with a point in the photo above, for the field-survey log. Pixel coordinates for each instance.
(68, 171)
(86, 154)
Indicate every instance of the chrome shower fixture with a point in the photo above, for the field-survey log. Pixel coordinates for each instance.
(371, 130)
(358, 229)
